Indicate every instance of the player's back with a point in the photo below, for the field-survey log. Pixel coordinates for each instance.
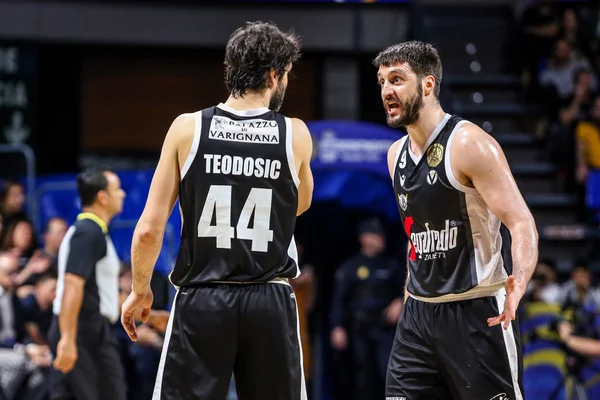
(238, 197)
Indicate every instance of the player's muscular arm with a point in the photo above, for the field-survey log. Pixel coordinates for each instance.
(164, 190)
(391, 159)
(478, 161)
(303, 148)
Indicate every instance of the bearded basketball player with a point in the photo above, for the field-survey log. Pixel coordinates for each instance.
(242, 173)
(457, 337)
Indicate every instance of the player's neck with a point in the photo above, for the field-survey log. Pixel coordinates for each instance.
(250, 101)
(430, 117)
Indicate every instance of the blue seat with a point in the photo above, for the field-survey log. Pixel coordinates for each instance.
(57, 197)
(593, 192)
(541, 382)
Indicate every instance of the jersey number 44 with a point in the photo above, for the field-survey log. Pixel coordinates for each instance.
(218, 201)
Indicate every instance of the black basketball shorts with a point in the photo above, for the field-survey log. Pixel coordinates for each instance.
(447, 351)
(98, 373)
(250, 330)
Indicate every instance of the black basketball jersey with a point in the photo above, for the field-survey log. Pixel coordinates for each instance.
(456, 242)
(238, 197)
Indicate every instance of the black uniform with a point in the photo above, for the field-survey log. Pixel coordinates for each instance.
(364, 288)
(458, 262)
(87, 251)
(234, 310)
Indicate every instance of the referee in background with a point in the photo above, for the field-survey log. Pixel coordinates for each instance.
(87, 360)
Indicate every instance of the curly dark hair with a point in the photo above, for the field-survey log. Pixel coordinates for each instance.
(422, 58)
(252, 51)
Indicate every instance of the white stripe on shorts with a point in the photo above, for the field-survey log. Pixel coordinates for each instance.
(511, 346)
(163, 354)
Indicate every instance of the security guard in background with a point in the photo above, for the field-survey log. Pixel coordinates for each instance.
(366, 306)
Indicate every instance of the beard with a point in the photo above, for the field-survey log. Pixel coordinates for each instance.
(410, 110)
(277, 100)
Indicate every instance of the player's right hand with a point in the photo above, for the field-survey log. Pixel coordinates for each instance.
(66, 355)
(137, 306)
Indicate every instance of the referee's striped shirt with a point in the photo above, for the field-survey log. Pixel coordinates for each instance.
(88, 252)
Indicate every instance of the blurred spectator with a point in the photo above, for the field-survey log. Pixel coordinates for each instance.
(36, 265)
(43, 260)
(543, 356)
(577, 105)
(587, 135)
(366, 306)
(23, 368)
(540, 28)
(561, 69)
(12, 200)
(53, 235)
(563, 115)
(12, 325)
(543, 285)
(578, 37)
(585, 346)
(37, 308)
(19, 239)
(579, 291)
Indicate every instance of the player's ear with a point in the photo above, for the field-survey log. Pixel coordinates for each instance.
(428, 85)
(273, 78)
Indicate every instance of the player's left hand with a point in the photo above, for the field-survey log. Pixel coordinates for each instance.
(137, 306)
(514, 292)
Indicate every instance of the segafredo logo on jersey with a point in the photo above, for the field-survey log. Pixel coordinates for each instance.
(246, 131)
(432, 243)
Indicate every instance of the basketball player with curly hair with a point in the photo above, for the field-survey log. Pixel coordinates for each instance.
(242, 173)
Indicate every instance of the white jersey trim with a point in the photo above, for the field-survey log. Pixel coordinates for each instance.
(289, 149)
(195, 142)
(243, 113)
(163, 356)
(448, 164)
(303, 393)
(487, 241)
(474, 293)
(510, 345)
(397, 157)
(280, 281)
(293, 254)
(433, 136)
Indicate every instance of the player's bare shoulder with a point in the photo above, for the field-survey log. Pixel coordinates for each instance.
(181, 135)
(472, 147)
(474, 151)
(183, 125)
(393, 154)
(300, 133)
(301, 141)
